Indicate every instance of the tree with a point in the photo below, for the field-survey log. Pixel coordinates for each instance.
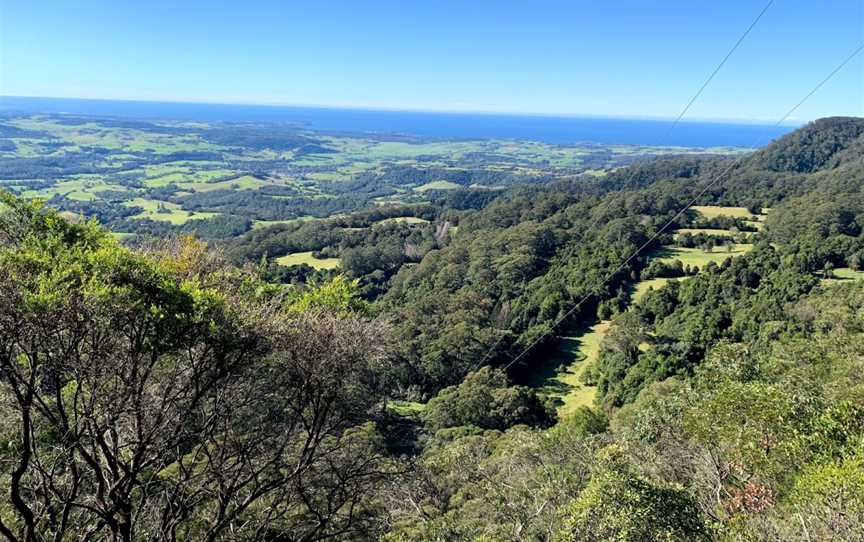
(338, 295)
(618, 505)
(486, 401)
(856, 260)
(485, 485)
(832, 497)
(163, 395)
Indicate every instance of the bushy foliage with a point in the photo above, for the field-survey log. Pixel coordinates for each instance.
(337, 295)
(485, 400)
(162, 393)
(618, 505)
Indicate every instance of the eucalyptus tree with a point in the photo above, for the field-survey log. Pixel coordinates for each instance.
(162, 395)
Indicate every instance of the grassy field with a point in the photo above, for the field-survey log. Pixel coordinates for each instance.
(409, 409)
(404, 220)
(844, 274)
(82, 188)
(172, 212)
(306, 257)
(706, 231)
(437, 185)
(699, 257)
(643, 286)
(189, 182)
(266, 223)
(758, 224)
(711, 211)
(559, 378)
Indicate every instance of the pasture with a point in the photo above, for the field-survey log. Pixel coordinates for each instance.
(437, 185)
(560, 376)
(644, 286)
(403, 220)
(165, 211)
(700, 257)
(298, 258)
(706, 231)
(844, 274)
(713, 211)
(258, 224)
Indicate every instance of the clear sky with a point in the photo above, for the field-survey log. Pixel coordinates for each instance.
(621, 58)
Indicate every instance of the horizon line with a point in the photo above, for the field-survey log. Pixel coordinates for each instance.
(359, 107)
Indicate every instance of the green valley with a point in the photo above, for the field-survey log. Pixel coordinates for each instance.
(581, 360)
(432, 271)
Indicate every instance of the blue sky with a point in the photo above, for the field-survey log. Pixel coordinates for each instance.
(619, 58)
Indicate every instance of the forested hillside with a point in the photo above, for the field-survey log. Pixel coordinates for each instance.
(481, 366)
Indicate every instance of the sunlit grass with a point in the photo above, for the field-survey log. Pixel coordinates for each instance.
(403, 220)
(713, 211)
(408, 409)
(560, 376)
(165, 211)
(700, 257)
(298, 258)
(437, 185)
(644, 286)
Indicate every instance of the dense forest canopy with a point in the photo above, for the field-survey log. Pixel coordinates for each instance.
(426, 386)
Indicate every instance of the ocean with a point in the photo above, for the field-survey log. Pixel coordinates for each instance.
(548, 129)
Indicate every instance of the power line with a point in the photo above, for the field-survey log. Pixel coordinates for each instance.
(687, 207)
(671, 128)
(719, 66)
(821, 83)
